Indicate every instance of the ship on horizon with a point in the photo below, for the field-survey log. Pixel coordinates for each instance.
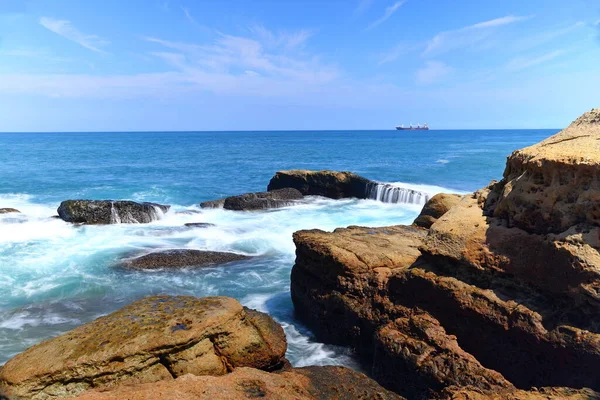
(417, 127)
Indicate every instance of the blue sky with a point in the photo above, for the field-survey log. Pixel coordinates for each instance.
(265, 64)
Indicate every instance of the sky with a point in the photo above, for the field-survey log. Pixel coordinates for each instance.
(160, 65)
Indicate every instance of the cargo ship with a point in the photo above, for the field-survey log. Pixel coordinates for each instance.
(417, 127)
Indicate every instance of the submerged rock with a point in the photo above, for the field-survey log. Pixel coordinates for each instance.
(9, 210)
(501, 292)
(257, 201)
(332, 184)
(182, 258)
(110, 212)
(154, 339)
(309, 383)
(437, 206)
(199, 225)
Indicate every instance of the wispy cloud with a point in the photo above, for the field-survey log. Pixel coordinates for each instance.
(432, 72)
(362, 6)
(545, 37)
(188, 15)
(398, 51)
(521, 63)
(288, 40)
(468, 35)
(391, 10)
(67, 30)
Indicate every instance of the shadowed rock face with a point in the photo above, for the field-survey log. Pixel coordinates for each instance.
(110, 212)
(332, 184)
(182, 258)
(310, 383)
(494, 296)
(8, 210)
(157, 338)
(257, 201)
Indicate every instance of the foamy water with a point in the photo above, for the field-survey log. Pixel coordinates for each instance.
(56, 276)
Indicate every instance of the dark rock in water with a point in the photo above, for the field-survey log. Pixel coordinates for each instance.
(199, 225)
(257, 201)
(213, 203)
(182, 258)
(437, 206)
(188, 212)
(332, 184)
(8, 210)
(263, 200)
(110, 212)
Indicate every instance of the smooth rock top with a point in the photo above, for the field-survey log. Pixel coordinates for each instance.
(153, 339)
(553, 185)
(182, 258)
(110, 212)
(309, 383)
(8, 210)
(256, 201)
(332, 184)
(437, 206)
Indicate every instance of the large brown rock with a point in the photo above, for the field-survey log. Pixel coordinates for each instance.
(310, 383)
(8, 210)
(157, 338)
(182, 258)
(437, 206)
(555, 184)
(335, 185)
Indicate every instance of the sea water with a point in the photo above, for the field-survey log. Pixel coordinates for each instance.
(55, 276)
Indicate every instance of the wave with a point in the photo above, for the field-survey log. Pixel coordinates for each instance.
(403, 193)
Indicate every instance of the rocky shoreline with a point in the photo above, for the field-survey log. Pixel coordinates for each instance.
(490, 295)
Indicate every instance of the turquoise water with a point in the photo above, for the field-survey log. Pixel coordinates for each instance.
(55, 276)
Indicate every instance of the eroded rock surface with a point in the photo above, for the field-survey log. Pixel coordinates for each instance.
(257, 201)
(154, 339)
(335, 185)
(110, 212)
(8, 210)
(182, 258)
(437, 206)
(310, 383)
(498, 297)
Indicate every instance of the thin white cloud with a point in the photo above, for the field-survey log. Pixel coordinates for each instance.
(288, 40)
(545, 37)
(521, 63)
(363, 6)
(432, 72)
(398, 51)
(65, 29)
(188, 15)
(391, 10)
(468, 35)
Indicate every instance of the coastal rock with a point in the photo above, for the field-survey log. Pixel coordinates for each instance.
(110, 212)
(257, 201)
(309, 383)
(437, 206)
(332, 184)
(182, 258)
(502, 288)
(199, 225)
(8, 210)
(555, 184)
(157, 338)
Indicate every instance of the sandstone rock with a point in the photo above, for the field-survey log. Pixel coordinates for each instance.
(437, 206)
(182, 258)
(8, 210)
(310, 383)
(157, 338)
(110, 212)
(457, 393)
(257, 201)
(199, 225)
(335, 185)
(555, 184)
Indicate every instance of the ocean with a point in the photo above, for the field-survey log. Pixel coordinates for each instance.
(55, 276)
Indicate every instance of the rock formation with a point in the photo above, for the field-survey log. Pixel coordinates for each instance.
(310, 383)
(199, 225)
(157, 338)
(110, 212)
(182, 258)
(437, 206)
(257, 201)
(8, 210)
(332, 184)
(498, 297)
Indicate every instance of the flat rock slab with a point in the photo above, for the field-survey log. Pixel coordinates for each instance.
(8, 210)
(332, 184)
(199, 225)
(153, 339)
(102, 212)
(257, 201)
(182, 258)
